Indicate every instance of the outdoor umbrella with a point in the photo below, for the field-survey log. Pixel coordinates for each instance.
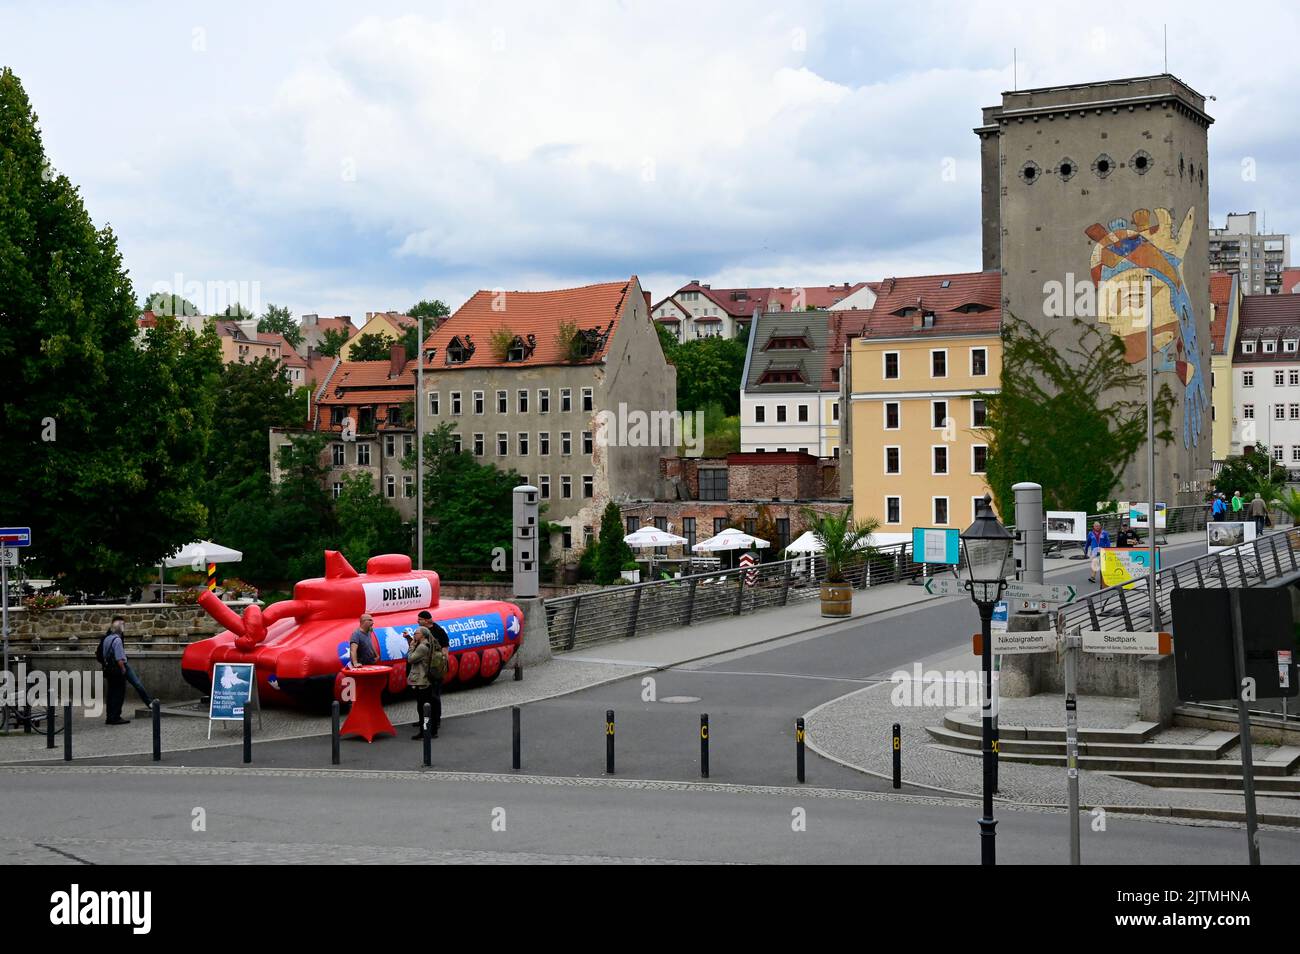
(730, 539)
(198, 553)
(652, 537)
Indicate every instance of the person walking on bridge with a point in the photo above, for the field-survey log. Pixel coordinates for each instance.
(1098, 540)
(1258, 513)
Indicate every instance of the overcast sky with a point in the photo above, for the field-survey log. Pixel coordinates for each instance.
(345, 157)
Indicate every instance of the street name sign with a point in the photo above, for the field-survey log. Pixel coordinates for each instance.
(15, 536)
(1038, 641)
(1118, 641)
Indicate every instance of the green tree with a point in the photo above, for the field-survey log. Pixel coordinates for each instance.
(1253, 472)
(251, 398)
(103, 430)
(163, 304)
(370, 347)
(278, 320)
(842, 539)
(332, 341)
(708, 371)
(367, 523)
(1047, 423)
(237, 311)
(611, 552)
(468, 506)
(431, 310)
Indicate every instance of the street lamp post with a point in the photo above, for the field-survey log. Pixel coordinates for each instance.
(986, 553)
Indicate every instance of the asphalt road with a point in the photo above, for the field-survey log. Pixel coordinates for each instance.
(80, 816)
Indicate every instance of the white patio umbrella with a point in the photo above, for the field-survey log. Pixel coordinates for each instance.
(730, 539)
(808, 543)
(652, 537)
(196, 553)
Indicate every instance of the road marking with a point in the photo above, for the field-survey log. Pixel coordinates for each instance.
(779, 675)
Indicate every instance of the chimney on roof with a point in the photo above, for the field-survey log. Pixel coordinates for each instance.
(706, 286)
(396, 360)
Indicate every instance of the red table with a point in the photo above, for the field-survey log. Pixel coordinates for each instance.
(367, 718)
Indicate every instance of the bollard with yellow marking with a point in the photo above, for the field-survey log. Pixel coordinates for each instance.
(609, 741)
(212, 576)
(704, 745)
(798, 749)
(898, 756)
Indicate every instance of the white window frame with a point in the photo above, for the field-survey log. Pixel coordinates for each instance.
(885, 463)
(947, 461)
(521, 400)
(521, 443)
(503, 400)
(434, 409)
(480, 402)
(893, 523)
(588, 399)
(543, 400)
(884, 405)
(503, 438)
(1248, 412)
(973, 402)
(408, 486)
(543, 443)
(480, 444)
(973, 372)
(338, 455)
(1248, 379)
(884, 365)
(456, 406)
(566, 487)
(973, 449)
(566, 443)
(944, 352)
(1270, 346)
(390, 486)
(946, 416)
(947, 505)
(588, 486)
(369, 456)
(1248, 347)
(544, 486)
(566, 400)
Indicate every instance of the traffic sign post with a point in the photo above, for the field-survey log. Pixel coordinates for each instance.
(946, 586)
(1041, 592)
(10, 539)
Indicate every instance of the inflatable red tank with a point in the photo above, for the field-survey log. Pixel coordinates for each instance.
(299, 646)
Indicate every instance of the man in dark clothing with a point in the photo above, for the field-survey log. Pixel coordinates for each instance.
(425, 619)
(113, 659)
(361, 646)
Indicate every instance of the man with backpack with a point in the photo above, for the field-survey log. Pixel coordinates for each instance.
(111, 656)
(439, 662)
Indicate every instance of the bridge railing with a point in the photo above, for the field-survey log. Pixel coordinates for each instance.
(1127, 607)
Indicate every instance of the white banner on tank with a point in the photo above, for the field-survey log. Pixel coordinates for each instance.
(397, 595)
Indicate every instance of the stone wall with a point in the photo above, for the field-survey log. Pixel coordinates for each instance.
(145, 622)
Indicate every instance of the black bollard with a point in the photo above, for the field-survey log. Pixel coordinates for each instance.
(334, 732)
(514, 738)
(67, 732)
(49, 727)
(155, 710)
(798, 749)
(27, 718)
(248, 735)
(519, 673)
(426, 730)
(898, 756)
(609, 741)
(704, 745)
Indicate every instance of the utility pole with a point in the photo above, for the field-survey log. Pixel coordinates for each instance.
(419, 444)
(1154, 608)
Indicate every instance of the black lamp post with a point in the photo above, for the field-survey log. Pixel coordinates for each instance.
(986, 553)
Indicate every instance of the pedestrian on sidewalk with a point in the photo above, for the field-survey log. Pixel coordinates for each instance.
(111, 655)
(417, 676)
(1258, 513)
(1219, 508)
(1098, 540)
(361, 645)
(1237, 505)
(439, 661)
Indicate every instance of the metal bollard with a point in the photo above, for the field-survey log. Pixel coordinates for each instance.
(334, 732)
(426, 730)
(67, 732)
(609, 741)
(798, 749)
(898, 756)
(514, 738)
(519, 673)
(704, 745)
(248, 735)
(155, 711)
(49, 727)
(27, 718)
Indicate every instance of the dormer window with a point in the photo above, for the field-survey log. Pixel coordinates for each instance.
(1248, 347)
(786, 343)
(1289, 345)
(907, 312)
(1270, 346)
(782, 376)
(458, 352)
(521, 348)
(972, 308)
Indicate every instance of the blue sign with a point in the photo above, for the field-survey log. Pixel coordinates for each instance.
(936, 545)
(1000, 614)
(15, 536)
(471, 632)
(232, 688)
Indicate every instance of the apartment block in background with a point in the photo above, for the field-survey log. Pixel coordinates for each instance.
(552, 385)
(931, 347)
(1258, 259)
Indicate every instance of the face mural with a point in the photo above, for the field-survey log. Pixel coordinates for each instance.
(1125, 254)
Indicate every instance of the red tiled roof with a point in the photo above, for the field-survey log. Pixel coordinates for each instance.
(537, 313)
(1220, 298)
(670, 300)
(741, 302)
(319, 367)
(1290, 279)
(1265, 317)
(930, 294)
(288, 357)
(341, 323)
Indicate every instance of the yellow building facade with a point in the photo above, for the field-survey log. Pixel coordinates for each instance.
(919, 455)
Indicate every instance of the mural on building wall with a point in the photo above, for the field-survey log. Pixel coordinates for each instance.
(1125, 253)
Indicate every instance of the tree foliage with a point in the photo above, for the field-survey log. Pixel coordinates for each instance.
(611, 551)
(468, 506)
(332, 342)
(367, 523)
(103, 430)
(370, 347)
(161, 303)
(432, 310)
(1048, 424)
(708, 371)
(1254, 472)
(278, 320)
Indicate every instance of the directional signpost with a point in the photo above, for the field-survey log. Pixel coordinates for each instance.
(10, 539)
(1041, 592)
(945, 587)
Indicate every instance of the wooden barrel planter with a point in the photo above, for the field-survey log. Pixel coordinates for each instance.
(837, 599)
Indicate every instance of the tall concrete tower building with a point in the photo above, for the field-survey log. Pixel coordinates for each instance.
(1087, 190)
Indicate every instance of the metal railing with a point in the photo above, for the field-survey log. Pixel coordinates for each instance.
(622, 611)
(1127, 607)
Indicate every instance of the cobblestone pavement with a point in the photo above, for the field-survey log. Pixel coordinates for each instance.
(855, 729)
(93, 739)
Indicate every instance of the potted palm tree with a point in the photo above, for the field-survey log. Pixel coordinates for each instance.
(842, 540)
